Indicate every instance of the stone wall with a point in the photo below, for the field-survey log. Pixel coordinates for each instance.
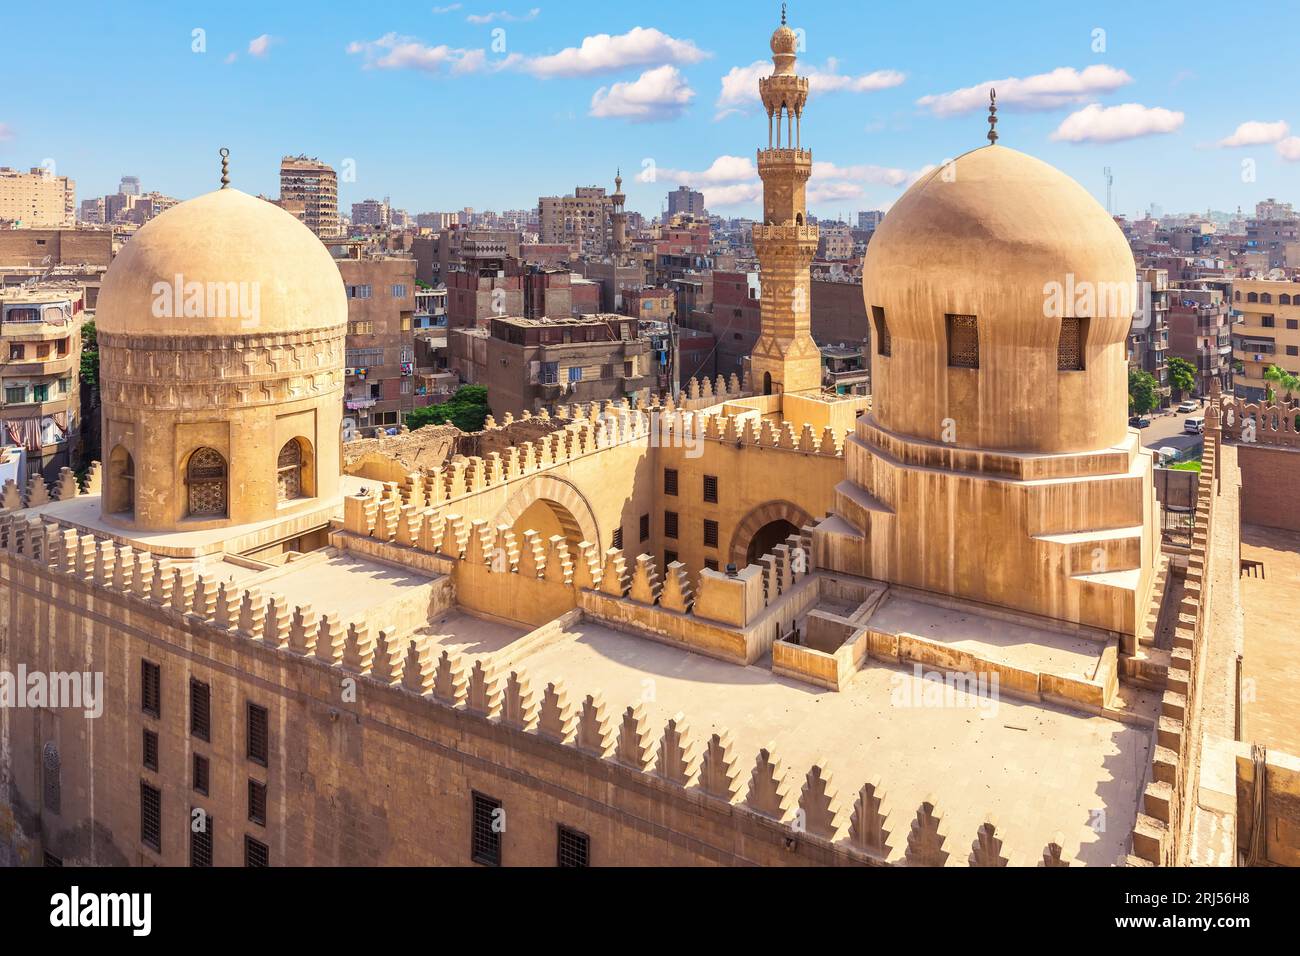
(1268, 481)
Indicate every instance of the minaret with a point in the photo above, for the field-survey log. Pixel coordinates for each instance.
(785, 357)
(618, 219)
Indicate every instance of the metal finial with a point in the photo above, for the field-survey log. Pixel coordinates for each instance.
(993, 116)
(783, 14)
(225, 167)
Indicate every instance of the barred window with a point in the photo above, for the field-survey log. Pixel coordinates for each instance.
(710, 533)
(258, 732)
(711, 488)
(205, 474)
(643, 531)
(52, 860)
(485, 847)
(1069, 349)
(883, 344)
(711, 563)
(151, 817)
(200, 837)
(53, 783)
(670, 557)
(151, 688)
(670, 524)
(963, 342)
(201, 773)
(257, 802)
(572, 848)
(618, 538)
(670, 481)
(150, 750)
(256, 853)
(200, 710)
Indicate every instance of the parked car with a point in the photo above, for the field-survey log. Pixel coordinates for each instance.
(1189, 406)
(1194, 425)
(1139, 421)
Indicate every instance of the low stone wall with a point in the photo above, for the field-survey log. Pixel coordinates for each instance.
(1268, 480)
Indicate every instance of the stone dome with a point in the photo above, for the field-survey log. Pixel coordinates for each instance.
(245, 266)
(987, 239)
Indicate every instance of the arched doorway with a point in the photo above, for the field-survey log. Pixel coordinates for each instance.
(551, 506)
(768, 537)
(121, 482)
(764, 528)
(767, 383)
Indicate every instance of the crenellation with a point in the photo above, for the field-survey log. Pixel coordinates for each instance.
(767, 794)
(817, 804)
(449, 680)
(555, 719)
(676, 761)
(718, 775)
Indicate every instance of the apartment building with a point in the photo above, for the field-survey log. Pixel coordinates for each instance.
(835, 241)
(36, 198)
(371, 212)
(40, 359)
(1148, 341)
(531, 364)
(686, 201)
(379, 368)
(1200, 331)
(1279, 238)
(315, 185)
(581, 220)
(1267, 334)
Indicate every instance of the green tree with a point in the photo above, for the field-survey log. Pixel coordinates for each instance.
(89, 357)
(467, 410)
(1142, 396)
(1182, 375)
(1281, 382)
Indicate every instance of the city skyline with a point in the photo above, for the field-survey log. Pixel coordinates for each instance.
(545, 99)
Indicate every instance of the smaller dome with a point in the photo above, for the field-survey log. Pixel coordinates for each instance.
(784, 41)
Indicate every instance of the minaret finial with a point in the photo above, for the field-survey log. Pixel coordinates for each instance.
(993, 116)
(225, 167)
(783, 14)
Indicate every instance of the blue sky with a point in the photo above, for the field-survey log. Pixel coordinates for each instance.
(438, 111)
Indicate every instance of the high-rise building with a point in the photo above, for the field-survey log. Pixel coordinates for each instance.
(91, 210)
(130, 186)
(1272, 209)
(582, 220)
(315, 185)
(371, 212)
(1268, 333)
(870, 219)
(37, 198)
(785, 357)
(685, 201)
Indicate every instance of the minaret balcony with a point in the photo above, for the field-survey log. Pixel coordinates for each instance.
(785, 233)
(783, 156)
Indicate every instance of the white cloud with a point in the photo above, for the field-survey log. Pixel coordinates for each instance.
(735, 195)
(658, 94)
(503, 15)
(1043, 91)
(1288, 149)
(1097, 124)
(7, 133)
(829, 192)
(740, 84)
(260, 46)
(232, 57)
(1255, 133)
(878, 175)
(394, 52)
(603, 53)
(452, 8)
(724, 170)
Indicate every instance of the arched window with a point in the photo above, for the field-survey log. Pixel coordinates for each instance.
(1266, 297)
(288, 468)
(121, 482)
(205, 473)
(1284, 299)
(1237, 295)
(1252, 296)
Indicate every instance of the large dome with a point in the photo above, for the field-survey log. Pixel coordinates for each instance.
(241, 265)
(1002, 245)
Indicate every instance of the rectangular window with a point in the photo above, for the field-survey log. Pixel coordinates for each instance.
(1266, 321)
(670, 557)
(883, 345)
(200, 837)
(151, 817)
(1069, 347)
(670, 524)
(399, 292)
(256, 802)
(618, 538)
(711, 488)
(200, 710)
(963, 342)
(16, 395)
(549, 373)
(151, 688)
(1293, 323)
(643, 532)
(575, 373)
(201, 774)
(670, 481)
(710, 533)
(258, 732)
(256, 853)
(572, 848)
(485, 847)
(41, 393)
(16, 350)
(711, 564)
(1292, 350)
(150, 750)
